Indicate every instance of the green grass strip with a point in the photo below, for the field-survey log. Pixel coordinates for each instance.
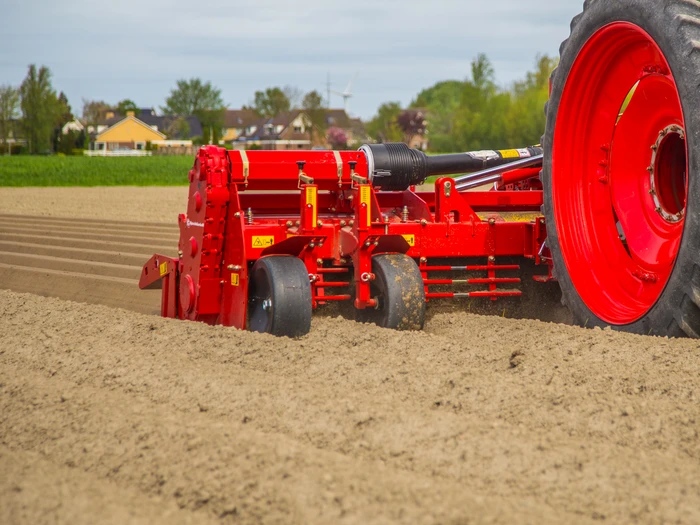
(24, 170)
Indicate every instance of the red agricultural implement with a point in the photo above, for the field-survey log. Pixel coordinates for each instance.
(609, 207)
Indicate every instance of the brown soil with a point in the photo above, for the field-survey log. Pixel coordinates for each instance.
(148, 204)
(113, 416)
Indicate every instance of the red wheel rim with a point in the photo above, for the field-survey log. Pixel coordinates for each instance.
(619, 182)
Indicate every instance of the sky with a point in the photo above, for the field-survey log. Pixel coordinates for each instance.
(138, 49)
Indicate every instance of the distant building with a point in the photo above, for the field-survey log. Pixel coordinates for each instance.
(131, 132)
(238, 122)
(290, 130)
(127, 133)
(73, 125)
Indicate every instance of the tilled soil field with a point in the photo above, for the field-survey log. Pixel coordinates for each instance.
(115, 415)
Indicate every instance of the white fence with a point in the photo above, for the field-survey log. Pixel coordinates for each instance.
(117, 153)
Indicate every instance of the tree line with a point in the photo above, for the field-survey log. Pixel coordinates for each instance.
(475, 113)
(43, 113)
(466, 115)
(35, 112)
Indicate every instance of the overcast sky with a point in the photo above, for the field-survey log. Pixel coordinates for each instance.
(138, 49)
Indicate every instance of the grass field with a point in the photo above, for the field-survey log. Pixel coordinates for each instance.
(94, 171)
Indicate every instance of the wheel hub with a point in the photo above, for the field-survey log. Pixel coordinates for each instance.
(668, 173)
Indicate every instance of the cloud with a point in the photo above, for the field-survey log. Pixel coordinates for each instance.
(136, 49)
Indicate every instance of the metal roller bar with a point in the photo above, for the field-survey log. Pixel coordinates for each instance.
(488, 175)
(470, 268)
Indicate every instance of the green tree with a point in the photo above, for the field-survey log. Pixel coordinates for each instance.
(441, 102)
(194, 97)
(384, 127)
(123, 106)
(271, 102)
(475, 113)
(40, 108)
(315, 115)
(294, 95)
(62, 143)
(178, 127)
(94, 112)
(526, 118)
(480, 119)
(9, 112)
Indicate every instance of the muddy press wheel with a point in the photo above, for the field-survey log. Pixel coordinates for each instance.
(279, 299)
(398, 289)
(621, 166)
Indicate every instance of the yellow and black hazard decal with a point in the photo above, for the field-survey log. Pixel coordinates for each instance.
(366, 199)
(311, 194)
(263, 241)
(509, 153)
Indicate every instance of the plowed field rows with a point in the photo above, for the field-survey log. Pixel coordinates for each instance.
(109, 414)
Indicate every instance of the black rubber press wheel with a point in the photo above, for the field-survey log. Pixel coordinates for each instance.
(399, 291)
(279, 297)
(621, 170)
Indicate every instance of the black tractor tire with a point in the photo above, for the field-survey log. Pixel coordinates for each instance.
(675, 27)
(279, 297)
(399, 291)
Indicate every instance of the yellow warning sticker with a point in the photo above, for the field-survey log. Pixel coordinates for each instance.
(163, 268)
(263, 241)
(410, 239)
(366, 199)
(509, 153)
(235, 279)
(311, 199)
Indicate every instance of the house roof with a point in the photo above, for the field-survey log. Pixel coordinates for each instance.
(337, 118)
(260, 128)
(239, 118)
(130, 119)
(162, 123)
(265, 128)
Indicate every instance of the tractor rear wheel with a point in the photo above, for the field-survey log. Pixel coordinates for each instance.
(399, 291)
(279, 297)
(621, 170)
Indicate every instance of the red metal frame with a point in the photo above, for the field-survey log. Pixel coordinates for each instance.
(324, 211)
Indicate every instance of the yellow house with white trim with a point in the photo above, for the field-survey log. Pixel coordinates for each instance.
(128, 133)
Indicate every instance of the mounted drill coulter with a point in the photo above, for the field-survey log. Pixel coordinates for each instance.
(608, 207)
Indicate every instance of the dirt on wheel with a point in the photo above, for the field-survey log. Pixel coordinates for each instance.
(115, 415)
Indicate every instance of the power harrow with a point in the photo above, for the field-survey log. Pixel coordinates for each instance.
(271, 235)
(612, 199)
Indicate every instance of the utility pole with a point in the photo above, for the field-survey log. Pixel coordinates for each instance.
(328, 91)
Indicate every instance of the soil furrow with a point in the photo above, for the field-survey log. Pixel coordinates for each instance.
(528, 420)
(223, 468)
(80, 254)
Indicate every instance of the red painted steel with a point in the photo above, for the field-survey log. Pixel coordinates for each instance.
(618, 174)
(317, 208)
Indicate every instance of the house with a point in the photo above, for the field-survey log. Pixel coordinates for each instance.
(73, 125)
(132, 132)
(238, 122)
(290, 130)
(127, 133)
